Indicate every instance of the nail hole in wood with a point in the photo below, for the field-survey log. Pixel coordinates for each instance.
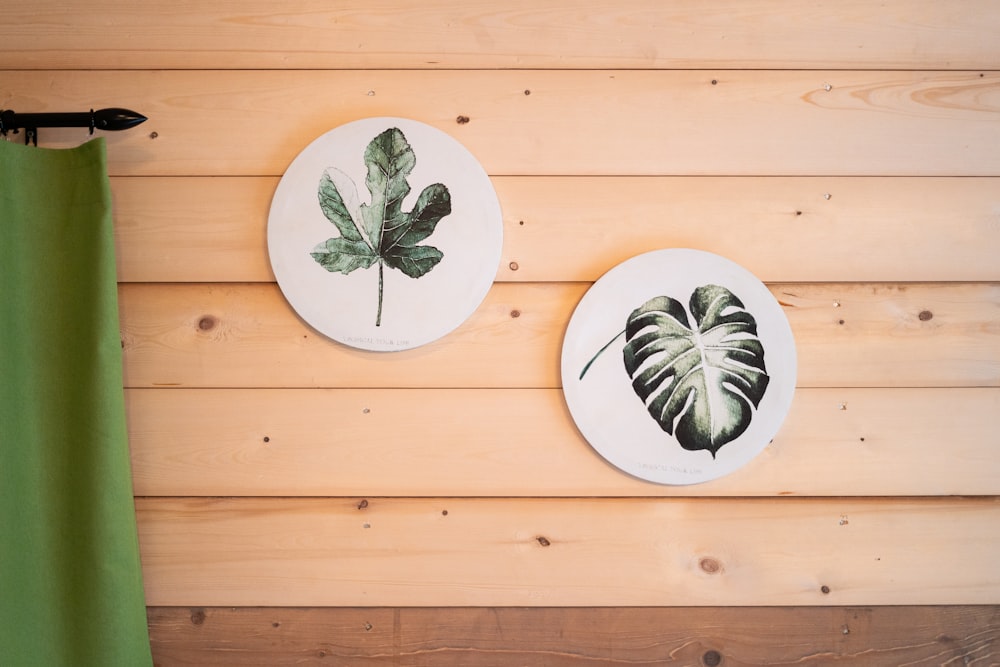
(513, 266)
(267, 439)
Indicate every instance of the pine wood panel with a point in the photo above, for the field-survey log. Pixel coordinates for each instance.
(568, 637)
(568, 552)
(630, 34)
(203, 229)
(847, 335)
(522, 442)
(600, 122)
(767, 88)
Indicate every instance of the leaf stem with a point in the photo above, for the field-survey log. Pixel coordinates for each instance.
(594, 358)
(378, 316)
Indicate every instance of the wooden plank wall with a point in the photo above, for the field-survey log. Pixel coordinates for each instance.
(302, 502)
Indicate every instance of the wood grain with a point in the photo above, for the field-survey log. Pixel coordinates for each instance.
(522, 442)
(593, 122)
(55, 34)
(204, 229)
(567, 552)
(847, 335)
(608, 129)
(571, 637)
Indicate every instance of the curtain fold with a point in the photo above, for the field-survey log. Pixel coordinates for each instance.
(70, 578)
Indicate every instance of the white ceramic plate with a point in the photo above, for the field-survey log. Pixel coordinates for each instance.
(335, 285)
(714, 426)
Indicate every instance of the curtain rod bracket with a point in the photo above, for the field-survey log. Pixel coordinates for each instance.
(112, 119)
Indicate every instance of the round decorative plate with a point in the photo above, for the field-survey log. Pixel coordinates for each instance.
(385, 234)
(678, 366)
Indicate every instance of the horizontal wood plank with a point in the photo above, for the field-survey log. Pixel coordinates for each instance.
(568, 552)
(246, 335)
(203, 229)
(522, 442)
(600, 122)
(570, 637)
(630, 34)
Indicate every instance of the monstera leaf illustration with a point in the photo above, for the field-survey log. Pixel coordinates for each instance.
(700, 377)
(381, 232)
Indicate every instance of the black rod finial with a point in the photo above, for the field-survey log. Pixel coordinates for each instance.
(117, 119)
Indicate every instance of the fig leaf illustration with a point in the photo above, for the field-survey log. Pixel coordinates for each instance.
(699, 372)
(381, 232)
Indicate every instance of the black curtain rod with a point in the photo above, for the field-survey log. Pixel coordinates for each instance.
(102, 119)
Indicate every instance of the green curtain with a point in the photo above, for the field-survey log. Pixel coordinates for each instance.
(70, 579)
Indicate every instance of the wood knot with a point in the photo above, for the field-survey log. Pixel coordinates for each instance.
(462, 120)
(207, 323)
(825, 590)
(363, 504)
(544, 541)
(710, 565)
(197, 616)
(925, 315)
(711, 659)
